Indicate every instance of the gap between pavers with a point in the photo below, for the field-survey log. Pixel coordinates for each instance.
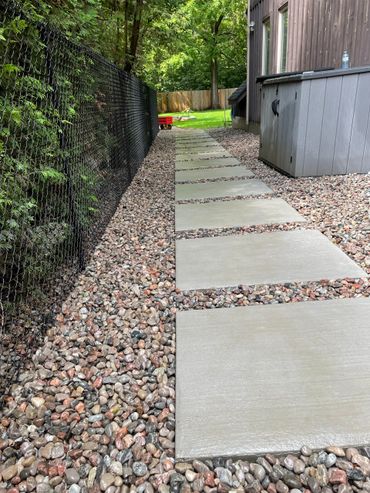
(234, 213)
(204, 156)
(206, 163)
(213, 173)
(197, 145)
(188, 132)
(212, 190)
(270, 378)
(194, 139)
(199, 150)
(190, 145)
(191, 140)
(263, 258)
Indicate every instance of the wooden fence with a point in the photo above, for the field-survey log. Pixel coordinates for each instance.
(169, 102)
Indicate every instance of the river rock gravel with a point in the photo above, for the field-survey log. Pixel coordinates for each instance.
(94, 410)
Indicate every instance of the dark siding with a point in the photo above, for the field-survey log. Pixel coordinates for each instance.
(319, 31)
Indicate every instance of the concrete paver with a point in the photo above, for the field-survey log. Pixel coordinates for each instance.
(234, 213)
(265, 258)
(207, 163)
(230, 188)
(213, 173)
(270, 378)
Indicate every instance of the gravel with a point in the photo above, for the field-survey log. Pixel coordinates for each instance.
(95, 408)
(227, 197)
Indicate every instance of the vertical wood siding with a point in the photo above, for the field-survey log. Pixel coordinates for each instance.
(318, 32)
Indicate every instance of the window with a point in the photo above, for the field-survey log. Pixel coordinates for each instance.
(266, 46)
(283, 40)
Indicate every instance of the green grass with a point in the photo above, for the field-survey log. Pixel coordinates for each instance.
(203, 119)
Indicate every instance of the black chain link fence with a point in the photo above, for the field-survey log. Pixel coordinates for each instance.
(73, 131)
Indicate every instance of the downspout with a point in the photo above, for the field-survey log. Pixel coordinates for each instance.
(248, 65)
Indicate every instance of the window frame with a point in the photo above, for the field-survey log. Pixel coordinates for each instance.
(266, 46)
(282, 39)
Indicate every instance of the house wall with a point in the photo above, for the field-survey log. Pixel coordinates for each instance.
(318, 33)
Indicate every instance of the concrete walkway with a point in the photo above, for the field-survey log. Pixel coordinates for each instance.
(266, 378)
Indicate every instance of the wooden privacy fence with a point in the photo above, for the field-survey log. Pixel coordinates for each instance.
(196, 100)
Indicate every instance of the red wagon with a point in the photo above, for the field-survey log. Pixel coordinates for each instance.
(165, 122)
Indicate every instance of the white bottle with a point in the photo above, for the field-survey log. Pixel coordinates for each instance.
(345, 59)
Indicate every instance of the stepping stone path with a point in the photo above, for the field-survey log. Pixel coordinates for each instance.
(258, 379)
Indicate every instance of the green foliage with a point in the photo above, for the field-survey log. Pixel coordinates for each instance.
(176, 43)
(187, 45)
(44, 156)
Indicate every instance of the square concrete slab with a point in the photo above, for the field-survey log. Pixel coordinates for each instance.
(270, 378)
(234, 213)
(206, 163)
(213, 173)
(265, 258)
(211, 190)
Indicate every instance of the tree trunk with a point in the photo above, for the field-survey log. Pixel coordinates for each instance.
(126, 29)
(118, 36)
(214, 84)
(135, 35)
(214, 64)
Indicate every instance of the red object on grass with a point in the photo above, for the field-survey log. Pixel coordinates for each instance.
(165, 122)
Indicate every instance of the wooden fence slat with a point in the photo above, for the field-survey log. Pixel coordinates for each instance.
(178, 101)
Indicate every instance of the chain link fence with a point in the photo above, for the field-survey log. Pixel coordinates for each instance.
(73, 131)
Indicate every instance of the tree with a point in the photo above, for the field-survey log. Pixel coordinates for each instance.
(115, 28)
(171, 44)
(214, 22)
(200, 45)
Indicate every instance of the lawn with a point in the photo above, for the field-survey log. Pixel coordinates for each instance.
(203, 119)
